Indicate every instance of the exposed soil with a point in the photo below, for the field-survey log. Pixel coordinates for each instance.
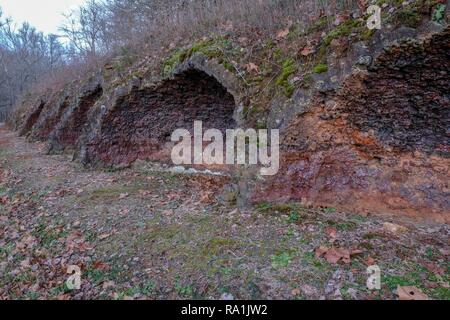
(148, 234)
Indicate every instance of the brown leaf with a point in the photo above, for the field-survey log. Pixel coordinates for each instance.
(296, 292)
(331, 232)
(370, 261)
(308, 50)
(434, 268)
(410, 293)
(108, 284)
(282, 34)
(362, 4)
(321, 251)
(333, 256)
(251, 67)
(99, 265)
(4, 200)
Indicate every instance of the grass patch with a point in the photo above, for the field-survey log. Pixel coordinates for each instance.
(217, 245)
(320, 68)
(48, 236)
(281, 260)
(289, 68)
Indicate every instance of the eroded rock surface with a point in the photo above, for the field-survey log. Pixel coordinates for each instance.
(380, 143)
(371, 134)
(139, 125)
(73, 122)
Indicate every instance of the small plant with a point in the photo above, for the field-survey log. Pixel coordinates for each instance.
(184, 290)
(281, 260)
(320, 68)
(294, 217)
(439, 13)
(289, 68)
(329, 210)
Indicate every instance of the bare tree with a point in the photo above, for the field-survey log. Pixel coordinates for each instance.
(85, 28)
(25, 55)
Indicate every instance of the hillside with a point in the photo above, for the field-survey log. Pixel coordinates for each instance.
(88, 176)
(355, 107)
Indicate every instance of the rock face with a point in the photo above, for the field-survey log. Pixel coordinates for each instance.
(139, 125)
(380, 142)
(50, 116)
(371, 134)
(73, 121)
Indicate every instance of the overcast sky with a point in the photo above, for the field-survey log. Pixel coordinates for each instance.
(44, 15)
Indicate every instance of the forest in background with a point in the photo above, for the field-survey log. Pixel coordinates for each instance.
(101, 29)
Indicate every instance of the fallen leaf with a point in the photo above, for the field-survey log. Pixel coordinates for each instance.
(99, 265)
(296, 292)
(251, 67)
(394, 228)
(108, 284)
(123, 195)
(320, 251)
(331, 232)
(334, 255)
(282, 34)
(4, 200)
(410, 293)
(434, 268)
(104, 236)
(370, 261)
(308, 50)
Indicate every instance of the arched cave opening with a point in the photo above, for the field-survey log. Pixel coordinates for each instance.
(32, 118)
(74, 121)
(48, 122)
(404, 101)
(141, 124)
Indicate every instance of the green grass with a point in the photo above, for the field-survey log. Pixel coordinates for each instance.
(48, 236)
(289, 68)
(320, 68)
(294, 217)
(184, 290)
(281, 260)
(439, 13)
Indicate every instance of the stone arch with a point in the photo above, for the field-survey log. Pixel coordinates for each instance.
(75, 117)
(32, 117)
(403, 101)
(50, 116)
(139, 123)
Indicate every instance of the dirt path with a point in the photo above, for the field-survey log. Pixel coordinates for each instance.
(142, 234)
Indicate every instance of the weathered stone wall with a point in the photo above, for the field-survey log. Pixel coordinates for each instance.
(50, 116)
(371, 134)
(32, 117)
(75, 117)
(380, 143)
(139, 124)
